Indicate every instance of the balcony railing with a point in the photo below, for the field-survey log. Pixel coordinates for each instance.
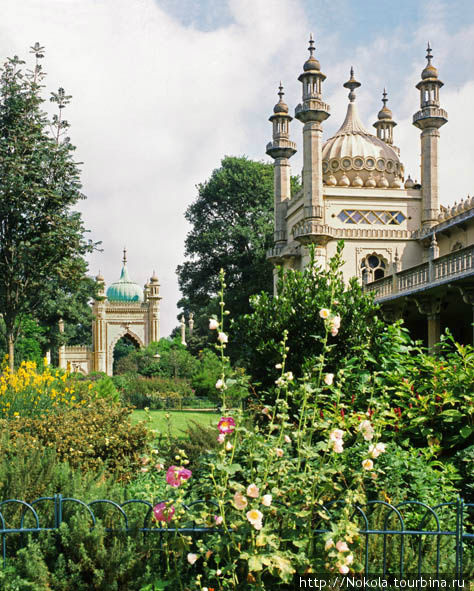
(443, 269)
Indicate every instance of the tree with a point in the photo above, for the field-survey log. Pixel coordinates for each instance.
(42, 243)
(232, 228)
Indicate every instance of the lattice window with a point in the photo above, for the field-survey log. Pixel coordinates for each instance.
(362, 216)
(372, 267)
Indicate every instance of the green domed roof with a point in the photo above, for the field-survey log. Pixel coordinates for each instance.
(125, 290)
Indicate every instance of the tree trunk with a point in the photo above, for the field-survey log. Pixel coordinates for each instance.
(11, 351)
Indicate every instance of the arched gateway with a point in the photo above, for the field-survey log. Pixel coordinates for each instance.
(125, 310)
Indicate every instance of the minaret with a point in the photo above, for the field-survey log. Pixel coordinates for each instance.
(281, 149)
(153, 300)
(385, 124)
(312, 112)
(429, 119)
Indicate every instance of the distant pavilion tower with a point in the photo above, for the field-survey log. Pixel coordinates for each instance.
(429, 119)
(124, 310)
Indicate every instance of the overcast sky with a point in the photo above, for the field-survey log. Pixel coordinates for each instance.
(163, 89)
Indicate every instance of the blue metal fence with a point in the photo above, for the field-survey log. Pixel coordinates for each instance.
(399, 532)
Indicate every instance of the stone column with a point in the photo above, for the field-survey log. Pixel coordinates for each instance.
(183, 331)
(431, 307)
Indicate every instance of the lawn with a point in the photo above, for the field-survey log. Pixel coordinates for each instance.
(178, 419)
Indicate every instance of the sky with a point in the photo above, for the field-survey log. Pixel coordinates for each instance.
(164, 89)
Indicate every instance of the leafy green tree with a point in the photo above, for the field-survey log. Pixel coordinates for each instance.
(232, 228)
(42, 243)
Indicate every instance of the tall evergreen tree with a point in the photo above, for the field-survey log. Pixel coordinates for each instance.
(42, 242)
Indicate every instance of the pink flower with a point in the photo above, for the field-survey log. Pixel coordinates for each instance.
(343, 569)
(159, 467)
(213, 324)
(221, 437)
(163, 513)
(279, 452)
(226, 425)
(338, 446)
(252, 491)
(222, 337)
(176, 474)
(342, 546)
(329, 544)
(218, 519)
(192, 558)
(240, 502)
(287, 439)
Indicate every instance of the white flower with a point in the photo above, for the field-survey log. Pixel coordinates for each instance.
(338, 446)
(289, 376)
(329, 544)
(252, 491)
(213, 324)
(220, 384)
(218, 572)
(192, 558)
(376, 450)
(336, 434)
(328, 379)
(336, 321)
(279, 452)
(287, 439)
(324, 313)
(222, 337)
(278, 365)
(255, 517)
(267, 500)
(221, 437)
(334, 332)
(349, 559)
(343, 569)
(228, 446)
(367, 430)
(367, 464)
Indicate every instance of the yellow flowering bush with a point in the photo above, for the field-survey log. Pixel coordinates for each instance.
(31, 392)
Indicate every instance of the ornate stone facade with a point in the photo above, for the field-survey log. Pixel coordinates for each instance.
(354, 189)
(125, 310)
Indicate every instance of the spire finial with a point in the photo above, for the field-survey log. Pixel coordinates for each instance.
(311, 44)
(429, 55)
(352, 84)
(384, 99)
(281, 93)
(124, 260)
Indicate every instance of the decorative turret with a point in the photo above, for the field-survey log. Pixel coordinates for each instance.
(385, 124)
(429, 119)
(100, 285)
(312, 112)
(281, 149)
(125, 290)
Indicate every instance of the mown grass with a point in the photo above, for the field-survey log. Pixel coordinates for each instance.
(179, 419)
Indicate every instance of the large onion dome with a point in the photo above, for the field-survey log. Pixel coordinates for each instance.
(125, 290)
(355, 154)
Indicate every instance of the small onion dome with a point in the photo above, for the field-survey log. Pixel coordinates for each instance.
(281, 106)
(409, 184)
(344, 181)
(385, 112)
(154, 278)
(331, 180)
(467, 203)
(430, 71)
(453, 209)
(396, 183)
(383, 183)
(370, 182)
(357, 181)
(99, 278)
(125, 290)
(311, 64)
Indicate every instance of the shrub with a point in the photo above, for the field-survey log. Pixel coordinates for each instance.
(296, 309)
(96, 436)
